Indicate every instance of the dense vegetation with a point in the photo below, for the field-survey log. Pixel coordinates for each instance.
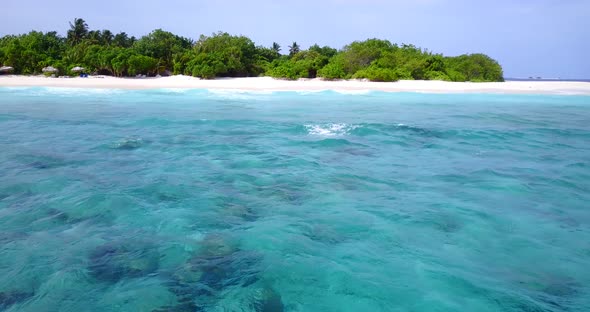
(224, 55)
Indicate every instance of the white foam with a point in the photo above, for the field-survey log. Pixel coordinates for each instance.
(197, 236)
(237, 94)
(238, 91)
(74, 91)
(175, 90)
(307, 92)
(353, 92)
(331, 129)
(17, 88)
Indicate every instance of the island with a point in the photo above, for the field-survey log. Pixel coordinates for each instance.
(162, 53)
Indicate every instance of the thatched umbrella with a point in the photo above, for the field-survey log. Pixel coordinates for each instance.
(77, 69)
(6, 69)
(50, 69)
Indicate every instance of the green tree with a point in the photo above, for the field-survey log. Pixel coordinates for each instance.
(360, 54)
(283, 68)
(293, 49)
(29, 53)
(91, 58)
(223, 55)
(376, 73)
(324, 51)
(304, 64)
(120, 63)
(78, 31)
(267, 54)
(334, 70)
(276, 47)
(76, 54)
(473, 67)
(162, 45)
(141, 64)
(123, 40)
(94, 36)
(107, 37)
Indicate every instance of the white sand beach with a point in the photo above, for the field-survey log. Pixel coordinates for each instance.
(270, 84)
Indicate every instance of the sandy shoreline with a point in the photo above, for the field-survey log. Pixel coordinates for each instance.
(270, 84)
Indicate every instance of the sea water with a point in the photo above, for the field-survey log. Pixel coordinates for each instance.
(197, 200)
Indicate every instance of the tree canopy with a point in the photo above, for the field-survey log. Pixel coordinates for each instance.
(225, 55)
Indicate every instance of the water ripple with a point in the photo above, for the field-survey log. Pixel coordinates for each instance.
(196, 200)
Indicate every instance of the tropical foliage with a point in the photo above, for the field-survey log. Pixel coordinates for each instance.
(225, 55)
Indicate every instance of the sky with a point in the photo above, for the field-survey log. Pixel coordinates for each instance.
(546, 38)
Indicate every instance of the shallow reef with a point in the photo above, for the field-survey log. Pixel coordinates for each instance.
(114, 261)
(10, 298)
(267, 300)
(218, 265)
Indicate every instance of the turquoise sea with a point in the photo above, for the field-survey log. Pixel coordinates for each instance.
(197, 200)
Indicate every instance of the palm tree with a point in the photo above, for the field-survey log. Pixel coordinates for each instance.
(94, 36)
(276, 47)
(121, 39)
(107, 37)
(78, 31)
(293, 49)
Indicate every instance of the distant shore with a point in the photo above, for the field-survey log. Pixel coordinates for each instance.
(270, 84)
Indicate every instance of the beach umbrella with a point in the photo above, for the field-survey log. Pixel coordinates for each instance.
(49, 69)
(77, 69)
(6, 69)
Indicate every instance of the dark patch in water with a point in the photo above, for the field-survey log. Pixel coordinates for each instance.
(292, 196)
(505, 301)
(167, 197)
(131, 143)
(165, 192)
(8, 237)
(42, 161)
(267, 300)
(348, 182)
(577, 165)
(59, 216)
(243, 213)
(561, 289)
(423, 132)
(10, 298)
(287, 193)
(558, 293)
(358, 152)
(112, 262)
(218, 272)
(431, 145)
(219, 264)
(324, 234)
(41, 165)
(51, 218)
(184, 305)
(448, 224)
(519, 304)
(330, 143)
(215, 245)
